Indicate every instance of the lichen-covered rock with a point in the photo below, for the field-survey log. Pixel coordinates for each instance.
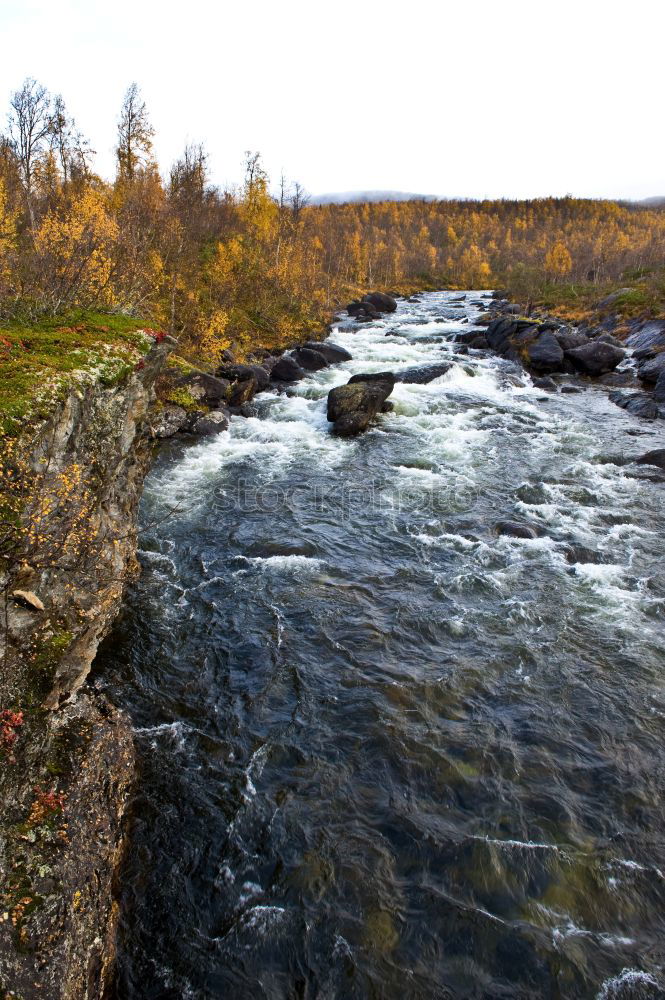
(213, 422)
(168, 421)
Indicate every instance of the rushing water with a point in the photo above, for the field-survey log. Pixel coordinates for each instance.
(383, 752)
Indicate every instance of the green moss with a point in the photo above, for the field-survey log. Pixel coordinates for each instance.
(35, 359)
(48, 655)
(182, 397)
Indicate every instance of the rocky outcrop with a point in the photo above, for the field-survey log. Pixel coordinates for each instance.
(287, 370)
(638, 404)
(72, 761)
(333, 353)
(371, 306)
(656, 457)
(423, 373)
(352, 407)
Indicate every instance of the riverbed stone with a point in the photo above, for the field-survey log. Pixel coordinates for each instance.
(352, 407)
(287, 370)
(515, 529)
(596, 358)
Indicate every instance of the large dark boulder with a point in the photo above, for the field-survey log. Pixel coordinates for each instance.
(656, 457)
(648, 335)
(352, 407)
(596, 358)
(651, 368)
(311, 361)
(568, 341)
(546, 383)
(659, 391)
(287, 370)
(381, 301)
(363, 310)
(206, 389)
(545, 354)
(423, 373)
(638, 404)
(333, 353)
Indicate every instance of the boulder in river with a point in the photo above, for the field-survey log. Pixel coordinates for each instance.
(423, 373)
(381, 302)
(545, 353)
(287, 370)
(651, 368)
(310, 360)
(351, 407)
(546, 383)
(333, 353)
(595, 358)
(373, 377)
(363, 310)
(656, 457)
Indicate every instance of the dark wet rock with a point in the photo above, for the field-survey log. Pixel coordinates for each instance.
(656, 457)
(515, 529)
(571, 388)
(608, 338)
(659, 390)
(206, 389)
(287, 370)
(241, 392)
(388, 406)
(242, 373)
(484, 319)
(462, 349)
(596, 358)
(373, 377)
(333, 353)
(620, 380)
(545, 383)
(479, 342)
(581, 554)
(205, 424)
(168, 421)
(651, 368)
(568, 341)
(423, 373)
(513, 310)
(648, 335)
(310, 360)
(545, 354)
(352, 407)
(638, 404)
(381, 302)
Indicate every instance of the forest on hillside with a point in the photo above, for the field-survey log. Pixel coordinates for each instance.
(234, 268)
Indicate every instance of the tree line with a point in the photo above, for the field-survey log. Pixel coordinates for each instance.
(234, 268)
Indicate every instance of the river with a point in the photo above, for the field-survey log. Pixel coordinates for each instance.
(385, 753)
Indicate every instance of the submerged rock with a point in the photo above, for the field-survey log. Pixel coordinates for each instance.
(515, 529)
(423, 373)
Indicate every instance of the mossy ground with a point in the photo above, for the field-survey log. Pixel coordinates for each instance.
(39, 355)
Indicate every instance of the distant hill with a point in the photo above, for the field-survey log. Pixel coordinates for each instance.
(341, 197)
(655, 202)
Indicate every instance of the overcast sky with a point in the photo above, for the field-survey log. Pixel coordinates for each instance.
(474, 98)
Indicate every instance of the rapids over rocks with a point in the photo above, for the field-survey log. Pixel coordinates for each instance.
(386, 752)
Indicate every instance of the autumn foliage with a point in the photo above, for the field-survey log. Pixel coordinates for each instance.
(246, 267)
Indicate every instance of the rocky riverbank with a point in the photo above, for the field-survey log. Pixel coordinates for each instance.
(68, 763)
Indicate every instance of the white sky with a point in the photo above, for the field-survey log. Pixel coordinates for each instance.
(474, 98)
